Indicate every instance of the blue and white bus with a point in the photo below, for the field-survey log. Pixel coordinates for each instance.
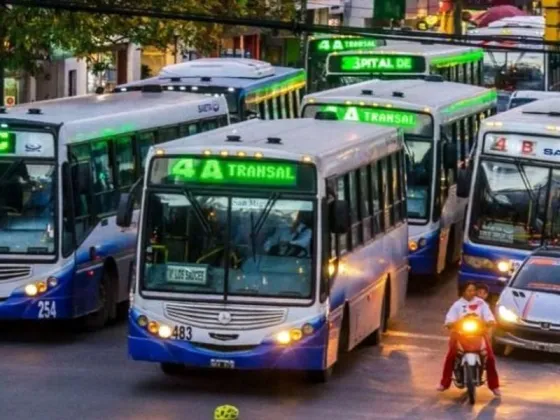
(514, 193)
(440, 120)
(269, 245)
(63, 166)
(252, 88)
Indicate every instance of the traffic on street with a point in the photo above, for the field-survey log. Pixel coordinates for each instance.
(396, 380)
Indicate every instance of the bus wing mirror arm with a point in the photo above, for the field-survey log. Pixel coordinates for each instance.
(464, 177)
(339, 217)
(124, 210)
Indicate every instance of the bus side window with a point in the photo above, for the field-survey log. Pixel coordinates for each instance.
(208, 124)
(188, 129)
(377, 203)
(341, 194)
(82, 202)
(144, 142)
(167, 134)
(262, 111)
(385, 193)
(402, 183)
(290, 106)
(463, 150)
(103, 183)
(355, 219)
(397, 196)
(366, 209)
(125, 165)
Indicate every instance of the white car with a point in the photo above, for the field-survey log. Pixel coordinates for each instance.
(528, 310)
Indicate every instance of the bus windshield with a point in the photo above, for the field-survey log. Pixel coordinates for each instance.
(229, 245)
(27, 199)
(513, 70)
(515, 205)
(515, 102)
(418, 135)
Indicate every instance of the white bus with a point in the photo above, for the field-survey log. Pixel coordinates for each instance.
(63, 166)
(514, 195)
(405, 60)
(440, 120)
(269, 245)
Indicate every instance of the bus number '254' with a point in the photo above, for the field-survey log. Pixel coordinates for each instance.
(182, 333)
(47, 309)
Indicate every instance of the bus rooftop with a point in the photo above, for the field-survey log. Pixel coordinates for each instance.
(542, 116)
(92, 116)
(433, 93)
(326, 143)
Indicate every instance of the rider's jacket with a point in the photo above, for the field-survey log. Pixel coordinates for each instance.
(464, 307)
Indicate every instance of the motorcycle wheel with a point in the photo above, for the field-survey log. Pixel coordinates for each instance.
(470, 374)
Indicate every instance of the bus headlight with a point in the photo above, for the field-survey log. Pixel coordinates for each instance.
(153, 327)
(503, 266)
(39, 287)
(164, 331)
(283, 337)
(31, 290)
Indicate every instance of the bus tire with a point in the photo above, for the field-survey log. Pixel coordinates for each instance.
(319, 376)
(101, 317)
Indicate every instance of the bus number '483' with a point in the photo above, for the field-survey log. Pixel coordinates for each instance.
(47, 309)
(182, 333)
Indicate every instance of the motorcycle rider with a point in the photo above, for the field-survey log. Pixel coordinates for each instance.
(469, 303)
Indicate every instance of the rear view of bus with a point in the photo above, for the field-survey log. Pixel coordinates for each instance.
(245, 259)
(514, 201)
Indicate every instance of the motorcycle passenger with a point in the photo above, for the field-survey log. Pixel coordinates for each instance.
(469, 303)
(482, 291)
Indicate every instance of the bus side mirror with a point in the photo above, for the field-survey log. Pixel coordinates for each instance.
(82, 177)
(449, 155)
(124, 210)
(464, 182)
(339, 217)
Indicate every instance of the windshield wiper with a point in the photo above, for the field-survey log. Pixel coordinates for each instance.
(256, 227)
(525, 179)
(197, 211)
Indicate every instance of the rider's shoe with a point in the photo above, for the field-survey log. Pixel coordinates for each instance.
(497, 392)
(441, 388)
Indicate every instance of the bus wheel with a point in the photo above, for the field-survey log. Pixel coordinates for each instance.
(172, 369)
(320, 376)
(98, 319)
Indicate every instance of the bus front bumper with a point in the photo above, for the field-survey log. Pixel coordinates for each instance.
(307, 354)
(36, 308)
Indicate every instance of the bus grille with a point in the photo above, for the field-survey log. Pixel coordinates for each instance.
(225, 318)
(13, 272)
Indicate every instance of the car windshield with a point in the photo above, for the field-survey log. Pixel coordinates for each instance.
(539, 274)
(514, 70)
(512, 205)
(27, 207)
(265, 250)
(515, 102)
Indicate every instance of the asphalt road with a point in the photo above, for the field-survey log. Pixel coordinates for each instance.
(48, 375)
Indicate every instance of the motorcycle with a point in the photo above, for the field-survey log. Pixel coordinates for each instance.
(470, 364)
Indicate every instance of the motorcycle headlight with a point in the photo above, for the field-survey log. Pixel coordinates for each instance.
(470, 326)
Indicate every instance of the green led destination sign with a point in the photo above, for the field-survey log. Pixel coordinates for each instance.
(373, 115)
(231, 172)
(7, 143)
(215, 171)
(376, 63)
(329, 45)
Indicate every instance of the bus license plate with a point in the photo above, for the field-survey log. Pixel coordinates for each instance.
(222, 363)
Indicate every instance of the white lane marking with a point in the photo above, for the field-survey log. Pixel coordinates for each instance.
(403, 334)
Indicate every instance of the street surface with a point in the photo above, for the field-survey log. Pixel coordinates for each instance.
(48, 375)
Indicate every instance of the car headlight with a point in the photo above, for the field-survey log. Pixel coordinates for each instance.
(506, 314)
